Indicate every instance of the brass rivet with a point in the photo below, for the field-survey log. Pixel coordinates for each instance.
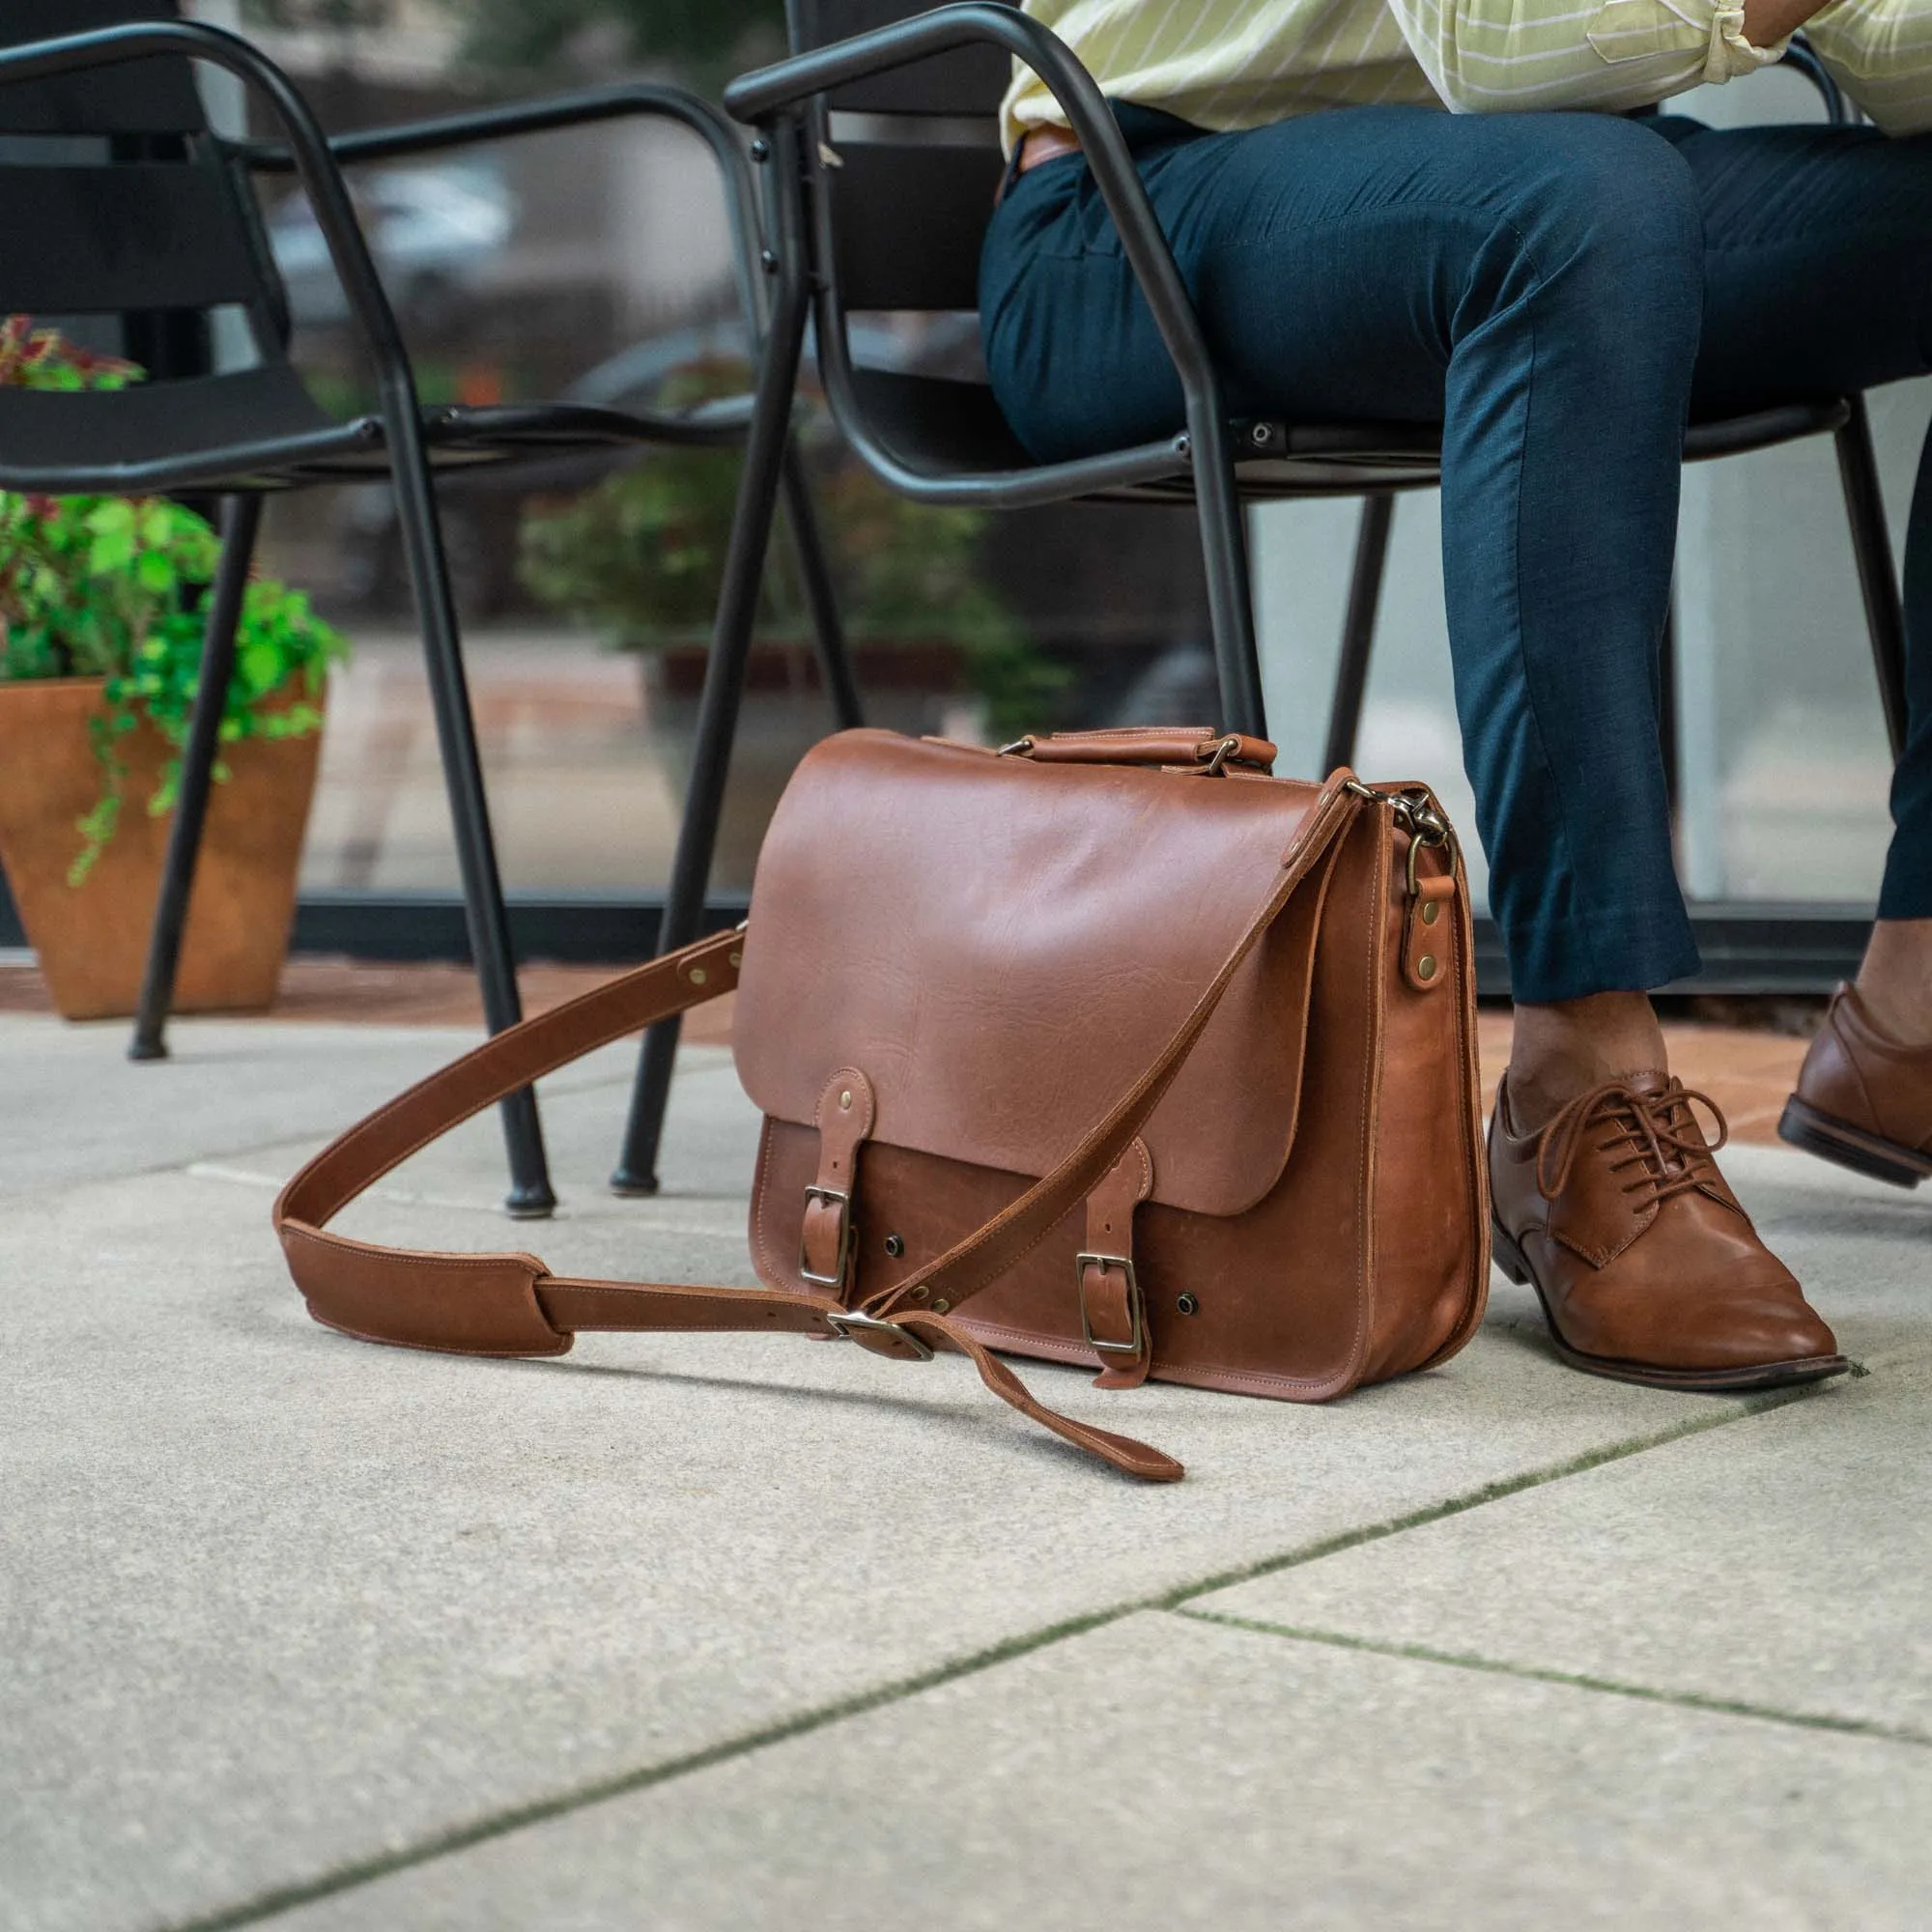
(737, 958)
(1429, 911)
(1425, 967)
(920, 1291)
(895, 1245)
(940, 1306)
(698, 975)
(1189, 1305)
(845, 1099)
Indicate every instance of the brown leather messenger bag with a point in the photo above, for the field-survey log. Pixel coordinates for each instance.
(1108, 1048)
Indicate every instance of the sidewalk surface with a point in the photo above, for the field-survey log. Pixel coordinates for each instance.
(720, 1632)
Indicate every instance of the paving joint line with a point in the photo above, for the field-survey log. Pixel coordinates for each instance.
(347, 1878)
(1576, 1680)
(271, 1903)
(1740, 1409)
(647, 1221)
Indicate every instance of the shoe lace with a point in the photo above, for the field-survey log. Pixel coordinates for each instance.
(1657, 1135)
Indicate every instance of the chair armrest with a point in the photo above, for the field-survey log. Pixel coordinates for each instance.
(642, 99)
(638, 101)
(767, 92)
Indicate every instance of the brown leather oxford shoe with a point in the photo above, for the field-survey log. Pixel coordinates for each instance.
(1863, 1100)
(1647, 1267)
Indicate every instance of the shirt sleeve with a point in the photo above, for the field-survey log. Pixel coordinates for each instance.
(1880, 52)
(1509, 56)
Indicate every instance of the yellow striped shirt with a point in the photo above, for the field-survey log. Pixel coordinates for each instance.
(1224, 64)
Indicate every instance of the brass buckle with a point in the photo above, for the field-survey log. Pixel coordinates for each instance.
(829, 1197)
(842, 1322)
(1135, 1305)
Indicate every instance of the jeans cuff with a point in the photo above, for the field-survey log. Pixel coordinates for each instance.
(1906, 897)
(1613, 950)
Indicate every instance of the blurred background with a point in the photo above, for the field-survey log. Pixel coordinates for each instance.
(594, 263)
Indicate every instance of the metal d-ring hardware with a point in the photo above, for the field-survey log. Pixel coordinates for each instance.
(1427, 827)
(1223, 752)
(829, 1197)
(1414, 814)
(1132, 1346)
(846, 1322)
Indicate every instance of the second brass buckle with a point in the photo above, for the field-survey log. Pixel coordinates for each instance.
(1135, 1306)
(845, 1322)
(829, 1197)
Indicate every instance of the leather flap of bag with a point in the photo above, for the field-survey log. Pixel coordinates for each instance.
(1004, 948)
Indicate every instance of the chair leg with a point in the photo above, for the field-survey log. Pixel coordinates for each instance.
(1224, 551)
(241, 520)
(530, 1197)
(1878, 575)
(1358, 631)
(759, 486)
(828, 629)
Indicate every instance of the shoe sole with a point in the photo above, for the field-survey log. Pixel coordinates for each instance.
(1846, 1146)
(1695, 1381)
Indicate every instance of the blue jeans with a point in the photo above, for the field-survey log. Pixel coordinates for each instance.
(1559, 291)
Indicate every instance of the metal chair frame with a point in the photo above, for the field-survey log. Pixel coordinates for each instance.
(400, 442)
(1214, 463)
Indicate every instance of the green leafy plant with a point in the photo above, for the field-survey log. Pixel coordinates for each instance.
(641, 556)
(115, 588)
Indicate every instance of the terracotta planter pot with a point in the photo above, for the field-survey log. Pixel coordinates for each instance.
(93, 939)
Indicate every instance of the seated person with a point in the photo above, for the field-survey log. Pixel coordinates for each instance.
(1560, 286)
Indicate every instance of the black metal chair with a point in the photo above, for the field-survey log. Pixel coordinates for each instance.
(118, 200)
(880, 144)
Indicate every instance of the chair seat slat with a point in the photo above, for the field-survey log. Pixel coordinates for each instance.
(43, 429)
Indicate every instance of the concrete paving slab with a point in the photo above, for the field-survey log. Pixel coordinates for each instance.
(273, 1602)
(1162, 1774)
(710, 1146)
(1785, 1562)
(72, 1107)
(1863, 1250)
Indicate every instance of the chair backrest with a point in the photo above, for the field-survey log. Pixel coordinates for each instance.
(117, 201)
(918, 162)
(145, 97)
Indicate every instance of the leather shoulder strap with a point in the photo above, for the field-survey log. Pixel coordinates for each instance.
(510, 1304)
